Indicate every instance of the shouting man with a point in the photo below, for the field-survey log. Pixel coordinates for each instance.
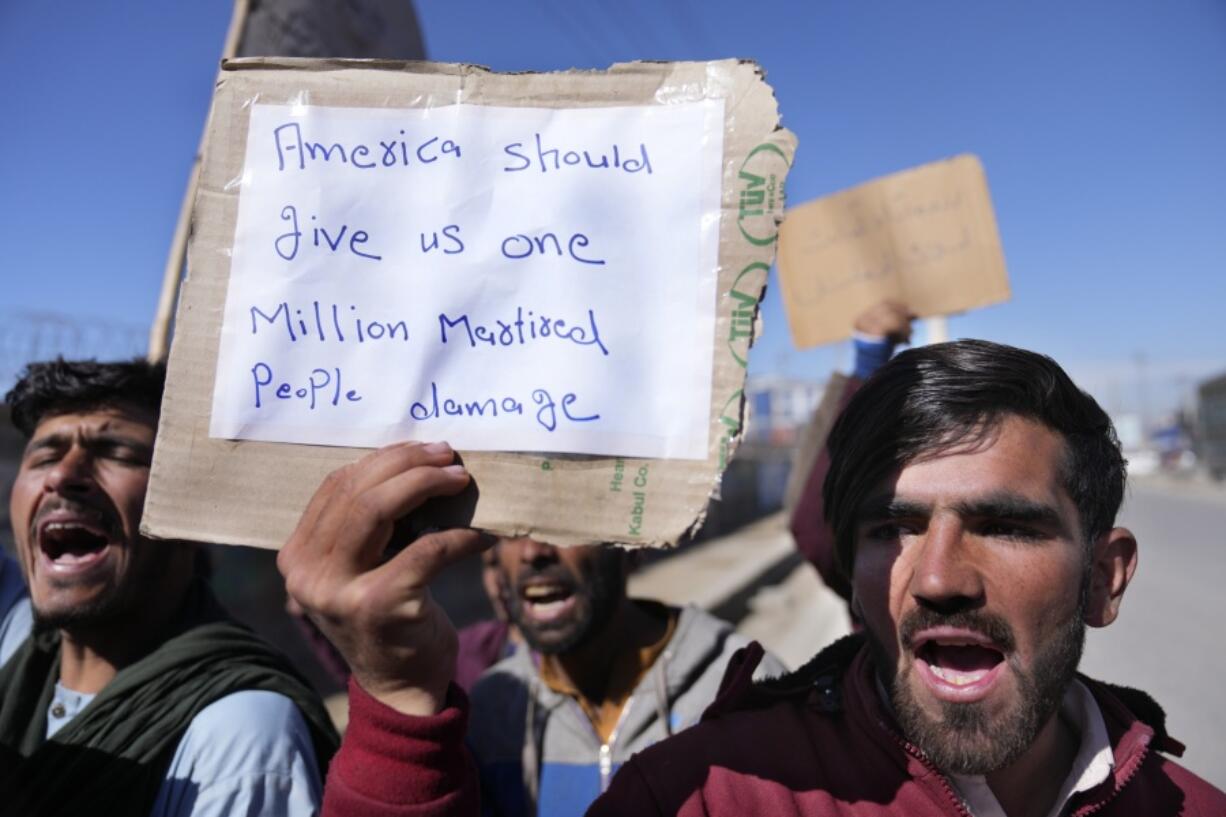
(972, 493)
(606, 676)
(129, 691)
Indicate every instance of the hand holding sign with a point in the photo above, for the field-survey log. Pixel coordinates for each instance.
(398, 642)
(887, 319)
(925, 238)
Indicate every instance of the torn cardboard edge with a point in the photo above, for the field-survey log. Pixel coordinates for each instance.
(251, 493)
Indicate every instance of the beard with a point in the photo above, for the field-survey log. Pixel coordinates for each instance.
(597, 591)
(118, 600)
(104, 608)
(968, 738)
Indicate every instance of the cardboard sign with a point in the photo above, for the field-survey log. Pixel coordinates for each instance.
(506, 279)
(566, 264)
(925, 237)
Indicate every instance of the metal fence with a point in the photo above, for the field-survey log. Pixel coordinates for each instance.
(27, 336)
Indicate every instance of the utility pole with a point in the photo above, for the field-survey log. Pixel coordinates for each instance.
(936, 329)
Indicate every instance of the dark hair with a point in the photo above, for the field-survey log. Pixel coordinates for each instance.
(930, 399)
(60, 386)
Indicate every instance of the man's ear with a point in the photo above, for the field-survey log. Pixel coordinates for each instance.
(1114, 561)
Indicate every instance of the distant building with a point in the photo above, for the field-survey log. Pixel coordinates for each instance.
(1211, 425)
(1131, 431)
(779, 408)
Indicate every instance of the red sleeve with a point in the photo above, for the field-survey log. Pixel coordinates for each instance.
(396, 765)
(814, 539)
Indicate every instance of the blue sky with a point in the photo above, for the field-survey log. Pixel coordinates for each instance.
(1102, 125)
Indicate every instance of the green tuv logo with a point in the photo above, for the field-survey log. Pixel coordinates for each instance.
(744, 309)
(760, 185)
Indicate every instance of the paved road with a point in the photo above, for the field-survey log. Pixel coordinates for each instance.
(1170, 639)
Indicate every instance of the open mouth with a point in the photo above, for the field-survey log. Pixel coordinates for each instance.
(547, 601)
(959, 666)
(69, 545)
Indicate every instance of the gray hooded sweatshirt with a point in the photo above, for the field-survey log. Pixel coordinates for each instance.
(538, 753)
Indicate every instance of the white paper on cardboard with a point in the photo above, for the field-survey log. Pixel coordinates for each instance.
(511, 279)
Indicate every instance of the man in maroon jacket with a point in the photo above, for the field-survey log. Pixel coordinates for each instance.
(972, 494)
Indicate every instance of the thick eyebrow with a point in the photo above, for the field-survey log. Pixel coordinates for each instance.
(58, 440)
(1004, 505)
(105, 439)
(889, 506)
(1012, 507)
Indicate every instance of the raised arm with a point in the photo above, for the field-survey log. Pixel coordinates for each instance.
(403, 753)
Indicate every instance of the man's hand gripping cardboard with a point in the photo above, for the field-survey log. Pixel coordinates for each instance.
(378, 611)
